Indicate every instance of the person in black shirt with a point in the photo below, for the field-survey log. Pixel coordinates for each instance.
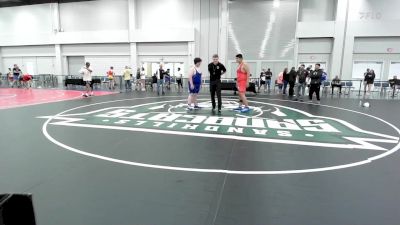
(160, 80)
(369, 78)
(154, 81)
(336, 83)
(168, 79)
(315, 83)
(292, 80)
(216, 70)
(394, 84)
(302, 75)
(263, 79)
(285, 80)
(268, 77)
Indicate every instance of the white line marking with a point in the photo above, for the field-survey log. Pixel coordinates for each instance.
(364, 145)
(278, 112)
(369, 160)
(7, 96)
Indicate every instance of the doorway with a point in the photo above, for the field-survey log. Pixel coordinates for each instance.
(151, 68)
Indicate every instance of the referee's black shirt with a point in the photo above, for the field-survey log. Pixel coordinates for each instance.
(216, 71)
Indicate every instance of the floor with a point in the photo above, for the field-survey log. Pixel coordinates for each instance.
(17, 97)
(136, 158)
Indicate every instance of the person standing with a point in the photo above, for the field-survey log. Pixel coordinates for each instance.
(154, 81)
(216, 70)
(16, 74)
(160, 80)
(137, 81)
(268, 78)
(243, 81)
(292, 81)
(369, 80)
(167, 79)
(279, 82)
(10, 77)
(302, 75)
(86, 72)
(111, 78)
(179, 78)
(394, 85)
(194, 82)
(127, 78)
(315, 82)
(263, 80)
(285, 80)
(143, 79)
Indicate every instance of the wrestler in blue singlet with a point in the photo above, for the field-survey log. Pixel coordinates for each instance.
(196, 83)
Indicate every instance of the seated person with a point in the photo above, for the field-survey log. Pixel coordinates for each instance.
(337, 83)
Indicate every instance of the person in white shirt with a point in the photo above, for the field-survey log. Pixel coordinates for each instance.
(179, 80)
(86, 73)
(143, 79)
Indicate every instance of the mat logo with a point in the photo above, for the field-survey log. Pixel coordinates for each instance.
(269, 123)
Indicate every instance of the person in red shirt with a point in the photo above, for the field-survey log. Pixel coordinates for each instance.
(111, 78)
(242, 82)
(27, 81)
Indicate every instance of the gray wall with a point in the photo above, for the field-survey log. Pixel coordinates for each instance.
(336, 31)
(317, 10)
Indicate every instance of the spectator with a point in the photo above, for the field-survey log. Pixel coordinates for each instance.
(154, 81)
(394, 84)
(137, 80)
(263, 79)
(160, 80)
(324, 76)
(127, 73)
(336, 83)
(279, 81)
(302, 75)
(369, 78)
(285, 80)
(167, 78)
(309, 72)
(292, 81)
(111, 78)
(315, 83)
(10, 77)
(143, 79)
(268, 76)
(179, 78)
(16, 75)
(86, 73)
(365, 82)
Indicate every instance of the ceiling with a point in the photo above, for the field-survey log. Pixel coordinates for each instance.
(9, 3)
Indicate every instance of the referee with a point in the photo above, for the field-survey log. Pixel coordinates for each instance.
(216, 69)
